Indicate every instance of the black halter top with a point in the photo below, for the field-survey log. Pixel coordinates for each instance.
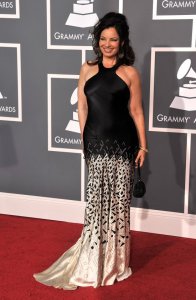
(109, 124)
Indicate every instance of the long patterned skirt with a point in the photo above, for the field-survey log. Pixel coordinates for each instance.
(102, 253)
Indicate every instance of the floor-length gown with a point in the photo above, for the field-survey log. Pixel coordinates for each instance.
(102, 253)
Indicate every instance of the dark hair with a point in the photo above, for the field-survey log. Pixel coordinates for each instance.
(126, 54)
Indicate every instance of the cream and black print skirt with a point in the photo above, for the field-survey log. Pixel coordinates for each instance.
(101, 255)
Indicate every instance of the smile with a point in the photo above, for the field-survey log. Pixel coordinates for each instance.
(107, 49)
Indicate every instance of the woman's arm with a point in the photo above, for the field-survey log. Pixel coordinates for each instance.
(82, 102)
(136, 111)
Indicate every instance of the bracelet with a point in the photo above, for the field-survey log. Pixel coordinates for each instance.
(144, 149)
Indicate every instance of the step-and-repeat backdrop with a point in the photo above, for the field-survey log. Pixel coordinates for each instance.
(42, 46)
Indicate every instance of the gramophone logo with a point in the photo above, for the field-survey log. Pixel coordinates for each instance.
(2, 97)
(69, 22)
(83, 15)
(186, 100)
(173, 90)
(73, 125)
(63, 121)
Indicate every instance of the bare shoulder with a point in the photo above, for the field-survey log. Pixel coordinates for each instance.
(132, 73)
(88, 65)
(84, 68)
(87, 68)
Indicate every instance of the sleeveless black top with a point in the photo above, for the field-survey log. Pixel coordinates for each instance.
(109, 128)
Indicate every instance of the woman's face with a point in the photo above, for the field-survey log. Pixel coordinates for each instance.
(109, 42)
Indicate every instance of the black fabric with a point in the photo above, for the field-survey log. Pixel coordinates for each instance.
(109, 127)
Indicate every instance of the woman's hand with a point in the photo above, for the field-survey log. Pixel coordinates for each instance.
(140, 157)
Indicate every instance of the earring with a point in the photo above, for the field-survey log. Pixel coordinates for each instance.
(121, 53)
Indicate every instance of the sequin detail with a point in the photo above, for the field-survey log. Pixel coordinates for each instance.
(119, 149)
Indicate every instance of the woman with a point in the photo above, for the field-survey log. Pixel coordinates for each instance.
(113, 133)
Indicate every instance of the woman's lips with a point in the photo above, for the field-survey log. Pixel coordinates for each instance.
(107, 49)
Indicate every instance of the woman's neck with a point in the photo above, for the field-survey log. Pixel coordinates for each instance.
(109, 62)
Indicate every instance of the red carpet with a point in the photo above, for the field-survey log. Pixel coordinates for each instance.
(164, 267)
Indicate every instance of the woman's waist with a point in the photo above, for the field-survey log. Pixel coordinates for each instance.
(109, 127)
(127, 134)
